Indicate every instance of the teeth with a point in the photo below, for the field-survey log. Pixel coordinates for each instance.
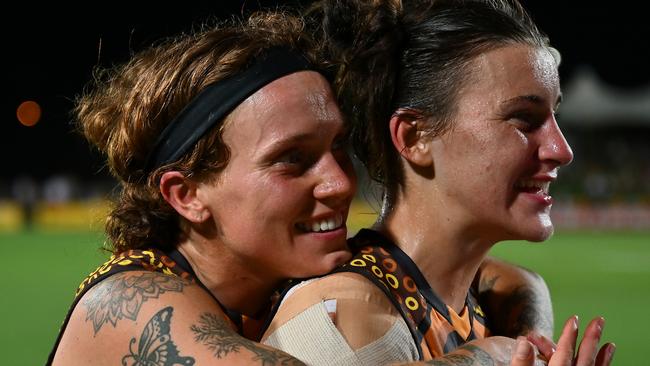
(323, 225)
(530, 183)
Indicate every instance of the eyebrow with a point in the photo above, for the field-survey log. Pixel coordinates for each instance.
(272, 148)
(290, 140)
(534, 99)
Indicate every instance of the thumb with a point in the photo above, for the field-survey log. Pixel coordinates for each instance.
(524, 353)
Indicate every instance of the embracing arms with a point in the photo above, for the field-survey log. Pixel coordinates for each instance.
(344, 319)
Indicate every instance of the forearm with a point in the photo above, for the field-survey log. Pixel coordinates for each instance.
(469, 355)
(516, 300)
(494, 351)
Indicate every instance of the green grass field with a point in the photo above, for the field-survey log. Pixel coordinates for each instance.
(596, 273)
(589, 274)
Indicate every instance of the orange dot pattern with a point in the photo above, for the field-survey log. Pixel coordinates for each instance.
(385, 270)
(434, 330)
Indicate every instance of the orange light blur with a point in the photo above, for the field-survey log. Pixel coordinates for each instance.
(28, 113)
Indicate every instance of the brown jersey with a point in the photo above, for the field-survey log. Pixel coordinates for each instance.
(435, 327)
(172, 264)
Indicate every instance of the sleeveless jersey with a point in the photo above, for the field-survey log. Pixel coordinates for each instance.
(436, 328)
(153, 260)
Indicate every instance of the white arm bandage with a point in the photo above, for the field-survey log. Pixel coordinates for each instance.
(312, 337)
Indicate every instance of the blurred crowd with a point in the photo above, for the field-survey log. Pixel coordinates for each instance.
(606, 186)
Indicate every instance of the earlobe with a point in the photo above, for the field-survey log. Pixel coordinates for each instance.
(181, 194)
(409, 138)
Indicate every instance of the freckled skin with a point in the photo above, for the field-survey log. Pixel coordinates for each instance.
(263, 193)
(479, 161)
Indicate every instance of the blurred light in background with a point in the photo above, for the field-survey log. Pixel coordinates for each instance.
(28, 113)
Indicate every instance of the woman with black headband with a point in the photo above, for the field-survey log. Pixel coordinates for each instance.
(230, 152)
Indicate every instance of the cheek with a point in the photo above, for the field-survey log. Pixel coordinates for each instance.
(487, 166)
(240, 201)
(470, 158)
(277, 202)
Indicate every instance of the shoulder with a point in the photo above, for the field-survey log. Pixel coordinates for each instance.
(121, 297)
(133, 316)
(114, 312)
(349, 301)
(345, 287)
(342, 318)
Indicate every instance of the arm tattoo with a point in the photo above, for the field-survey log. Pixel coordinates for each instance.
(122, 295)
(476, 357)
(155, 347)
(518, 312)
(213, 332)
(487, 284)
(525, 313)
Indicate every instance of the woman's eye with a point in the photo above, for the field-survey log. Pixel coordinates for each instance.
(527, 122)
(292, 157)
(295, 162)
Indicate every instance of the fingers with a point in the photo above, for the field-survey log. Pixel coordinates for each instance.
(589, 345)
(605, 355)
(545, 346)
(566, 345)
(524, 354)
(588, 353)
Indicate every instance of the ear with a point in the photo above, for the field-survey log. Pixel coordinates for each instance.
(180, 193)
(409, 138)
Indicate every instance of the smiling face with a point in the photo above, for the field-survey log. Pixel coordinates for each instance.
(281, 204)
(494, 167)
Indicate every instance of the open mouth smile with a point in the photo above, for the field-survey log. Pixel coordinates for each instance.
(322, 225)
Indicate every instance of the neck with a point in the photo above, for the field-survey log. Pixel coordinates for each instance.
(227, 277)
(446, 252)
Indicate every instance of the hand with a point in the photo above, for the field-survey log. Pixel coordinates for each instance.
(495, 350)
(563, 354)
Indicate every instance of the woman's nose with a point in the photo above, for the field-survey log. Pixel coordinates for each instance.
(337, 179)
(554, 146)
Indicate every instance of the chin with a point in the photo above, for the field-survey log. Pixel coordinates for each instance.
(328, 263)
(336, 259)
(540, 234)
(535, 228)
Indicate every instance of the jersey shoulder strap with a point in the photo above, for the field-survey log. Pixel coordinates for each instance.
(379, 266)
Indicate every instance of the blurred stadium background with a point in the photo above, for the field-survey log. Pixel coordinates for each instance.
(53, 188)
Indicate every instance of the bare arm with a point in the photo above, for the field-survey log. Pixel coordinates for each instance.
(365, 316)
(137, 318)
(489, 351)
(366, 320)
(516, 300)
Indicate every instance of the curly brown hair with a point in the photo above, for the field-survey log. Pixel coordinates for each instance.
(128, 106)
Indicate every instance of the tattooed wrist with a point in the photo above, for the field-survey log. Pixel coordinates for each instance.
(475, 357)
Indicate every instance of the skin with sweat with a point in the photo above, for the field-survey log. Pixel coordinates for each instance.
(491, 170)
(278, 210)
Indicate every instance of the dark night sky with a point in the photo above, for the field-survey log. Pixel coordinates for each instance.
(49, 54)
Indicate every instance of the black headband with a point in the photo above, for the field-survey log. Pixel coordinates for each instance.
(214, 102)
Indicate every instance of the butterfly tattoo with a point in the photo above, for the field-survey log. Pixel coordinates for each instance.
(155, 347)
